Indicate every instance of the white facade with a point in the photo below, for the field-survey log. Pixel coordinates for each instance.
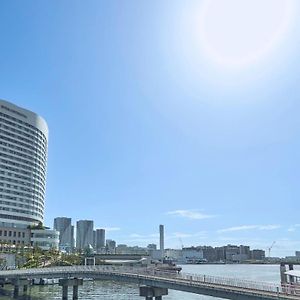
(23, 165)
(173, 254)
(45, 239)
(192, 254)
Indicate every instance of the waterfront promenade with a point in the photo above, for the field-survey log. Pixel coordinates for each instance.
(154, 283)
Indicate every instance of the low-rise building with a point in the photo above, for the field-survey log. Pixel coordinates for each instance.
(14, 234)
(257, 254)
(192, 254)
(209, 253)
(45, 239)
(174, 255)
(231, 251)
(152, 247)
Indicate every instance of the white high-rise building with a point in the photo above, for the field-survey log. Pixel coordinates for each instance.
(23, 165)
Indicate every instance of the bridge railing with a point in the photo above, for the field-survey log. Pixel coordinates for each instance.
(194, 279)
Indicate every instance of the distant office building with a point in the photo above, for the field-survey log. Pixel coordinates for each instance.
(84, 234)
(73, 237)
(152, 247)
(257, 254)
(111, 246)
(135, 250)
(64, 226)
(94, 239)
(243, 255)
(122, 249)
(220, 253)
(245, 250)
(153, 252)
(230, 251)
(209, 253)
(23, 166)
(100, 239)
(192, 254)
(161, 241)
(297, 253)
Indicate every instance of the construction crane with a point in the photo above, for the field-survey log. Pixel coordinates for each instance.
(270, 248)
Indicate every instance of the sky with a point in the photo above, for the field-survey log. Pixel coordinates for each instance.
(182, 113)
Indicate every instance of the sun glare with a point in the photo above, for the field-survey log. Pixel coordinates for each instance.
(237, 33)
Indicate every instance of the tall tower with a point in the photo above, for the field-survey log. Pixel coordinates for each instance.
(100, 239)
(162, 241)
(84, 234)
(23, 165)
(64, 226)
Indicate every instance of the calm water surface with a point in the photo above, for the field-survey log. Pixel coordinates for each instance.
(114, 291)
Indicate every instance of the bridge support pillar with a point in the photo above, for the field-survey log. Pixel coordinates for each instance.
(65, 283)
(75, 292)
(65, 292)
(16, 291)
(20, 282)
(149, 292)
(2, 281)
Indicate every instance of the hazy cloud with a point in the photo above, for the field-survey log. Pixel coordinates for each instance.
(249, 227)
(293, 227)
(189, 214)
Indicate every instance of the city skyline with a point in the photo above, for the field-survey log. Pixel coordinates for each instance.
(148, 127)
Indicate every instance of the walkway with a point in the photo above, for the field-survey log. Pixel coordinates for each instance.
(228, 288)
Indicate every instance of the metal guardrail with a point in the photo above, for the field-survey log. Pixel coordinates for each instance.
(154, 274)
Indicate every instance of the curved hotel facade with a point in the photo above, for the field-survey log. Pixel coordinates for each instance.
(23, 164)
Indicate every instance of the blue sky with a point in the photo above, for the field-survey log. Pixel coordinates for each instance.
(148, 127)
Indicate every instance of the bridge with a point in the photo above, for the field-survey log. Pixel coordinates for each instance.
(153, 283)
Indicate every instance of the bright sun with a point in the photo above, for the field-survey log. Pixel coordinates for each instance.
(239, 32)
